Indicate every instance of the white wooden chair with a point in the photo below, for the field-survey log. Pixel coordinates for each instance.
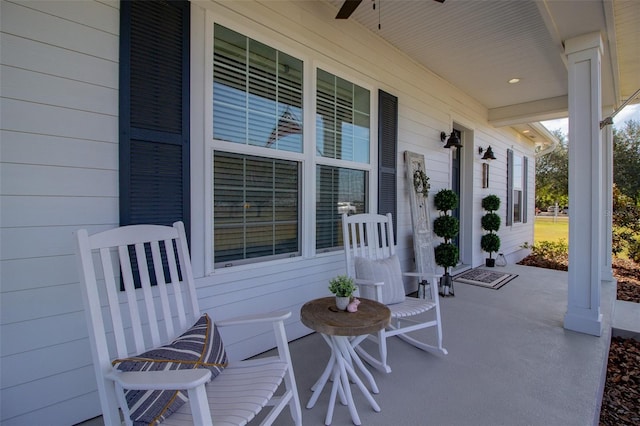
(159, 303)
(371, 261)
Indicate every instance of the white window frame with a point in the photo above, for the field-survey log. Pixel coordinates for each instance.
(307, 159)
(345, 164)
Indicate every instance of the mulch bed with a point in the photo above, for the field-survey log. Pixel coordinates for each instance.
(621, 398)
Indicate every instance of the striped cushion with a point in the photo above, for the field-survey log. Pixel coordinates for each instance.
(199, 347)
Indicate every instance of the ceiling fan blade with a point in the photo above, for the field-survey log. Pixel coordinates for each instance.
(440, 1)
(347, 8)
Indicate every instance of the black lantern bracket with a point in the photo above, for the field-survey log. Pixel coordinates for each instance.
(452, 142)
(488, 153)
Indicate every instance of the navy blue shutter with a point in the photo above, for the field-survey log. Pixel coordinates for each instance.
(525, 187)
(154, 112)
(387, 155)
(509, 220)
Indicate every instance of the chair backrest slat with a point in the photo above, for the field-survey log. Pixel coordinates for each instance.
(173, 272)
(185, 268)
(367, 235)
(113, 301)
(162, 283)
(145, 283)
(132, 302)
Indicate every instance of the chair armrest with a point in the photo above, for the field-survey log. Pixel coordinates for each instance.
(359, 281)
(161, 380)
(253, 319)
(421, 274)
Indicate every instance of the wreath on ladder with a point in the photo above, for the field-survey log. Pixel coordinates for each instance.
(421, 182)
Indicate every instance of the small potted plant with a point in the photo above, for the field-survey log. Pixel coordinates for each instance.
(343, 287)
(446, 227)
(490, 222)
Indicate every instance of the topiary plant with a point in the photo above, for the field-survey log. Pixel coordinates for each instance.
(490, 243)
(490, 222)
(445, 200)
(446, 255)
(446, 227)
(491, 203)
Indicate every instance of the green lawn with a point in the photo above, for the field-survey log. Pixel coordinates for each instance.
(546, 229)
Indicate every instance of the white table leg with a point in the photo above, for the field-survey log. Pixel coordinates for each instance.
(347, 351)
(341, 370)
(343, 382)
(354, 343)
(322, 381)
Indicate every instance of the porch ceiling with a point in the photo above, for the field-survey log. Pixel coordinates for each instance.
(478, 45)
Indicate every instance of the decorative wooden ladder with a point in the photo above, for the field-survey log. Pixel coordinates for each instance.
(420, 219)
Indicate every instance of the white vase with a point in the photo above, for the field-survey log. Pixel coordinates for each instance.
(342, 302)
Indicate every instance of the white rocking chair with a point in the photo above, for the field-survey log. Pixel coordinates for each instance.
(159, 303)
(371, 261)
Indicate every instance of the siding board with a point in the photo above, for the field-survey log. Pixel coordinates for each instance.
(29, 148)
(26, 179)
(53, 60)
(101, 16)
(63, 92)
(21, 21)
(76, 383)
(52, 301)
(21, 211)
(20, 243)
(59, 359)
(63, 413)
(28, 117)
(42, 333)
(24, 274)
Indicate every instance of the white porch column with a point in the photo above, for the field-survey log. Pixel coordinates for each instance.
(607, 199)
(585, 185)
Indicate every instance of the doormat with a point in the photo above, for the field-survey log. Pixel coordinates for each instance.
(484, 278)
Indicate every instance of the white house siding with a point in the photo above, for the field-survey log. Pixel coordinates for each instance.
(59, 172)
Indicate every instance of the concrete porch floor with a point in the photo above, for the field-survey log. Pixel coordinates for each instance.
(510, 362)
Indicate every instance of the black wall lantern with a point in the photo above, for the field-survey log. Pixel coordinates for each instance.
(488, 153)
(452, 142)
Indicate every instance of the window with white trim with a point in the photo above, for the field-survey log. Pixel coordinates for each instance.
(258, 152)
(343, 123)
(257, 103)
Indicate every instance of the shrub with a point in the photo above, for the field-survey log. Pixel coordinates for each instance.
(548, 254)
(446, 227)
(490, 243)
(634, 250)
(490, 222)
(445, 200)
(446, 255)
(550, 249)
(626, 223)
(491, 203)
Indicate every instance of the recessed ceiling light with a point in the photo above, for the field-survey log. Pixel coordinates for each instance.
(526, 131)
(514, 80)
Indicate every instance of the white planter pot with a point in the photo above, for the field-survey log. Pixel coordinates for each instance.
(342, 302)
